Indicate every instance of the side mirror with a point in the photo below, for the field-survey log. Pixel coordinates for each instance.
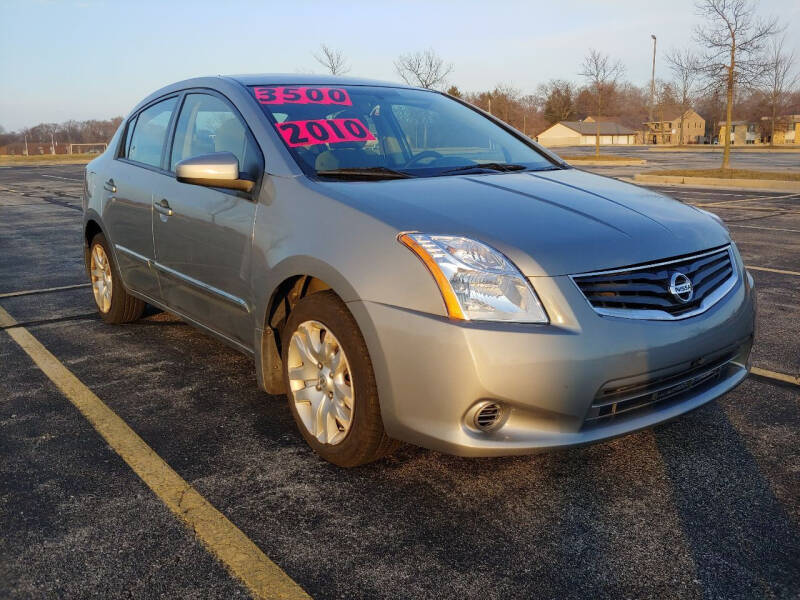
(220, 169)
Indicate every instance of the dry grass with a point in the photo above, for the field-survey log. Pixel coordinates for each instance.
(46, 159)
(731, 174)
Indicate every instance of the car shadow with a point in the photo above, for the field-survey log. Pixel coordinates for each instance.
(743, 542)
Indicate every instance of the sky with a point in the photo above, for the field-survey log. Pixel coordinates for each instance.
(95, 59)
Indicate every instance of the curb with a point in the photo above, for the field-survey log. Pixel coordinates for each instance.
(763, 184)
(607, 163)
(719, 149)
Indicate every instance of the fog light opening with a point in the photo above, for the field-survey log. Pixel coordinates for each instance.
(488, 416)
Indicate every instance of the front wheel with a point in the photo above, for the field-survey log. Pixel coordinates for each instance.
(113, 301)
(330, 383)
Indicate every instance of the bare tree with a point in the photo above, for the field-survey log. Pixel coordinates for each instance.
(665, 100)
(602, 74)
(685, 71)
(424, 69)
(332, 59)
(778, 80)
(733, 38)
(557, 99)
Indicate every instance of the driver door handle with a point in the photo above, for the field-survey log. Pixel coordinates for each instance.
(162, 206)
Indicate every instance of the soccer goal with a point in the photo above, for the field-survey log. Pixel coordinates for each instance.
(93, 148)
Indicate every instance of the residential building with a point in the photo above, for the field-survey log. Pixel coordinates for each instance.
(667, 130)
(584, 133)
(787, 129)
(742, 133)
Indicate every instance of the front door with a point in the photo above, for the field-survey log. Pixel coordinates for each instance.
(203, 235)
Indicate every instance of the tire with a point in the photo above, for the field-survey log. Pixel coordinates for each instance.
(118, 306)
(365, 439)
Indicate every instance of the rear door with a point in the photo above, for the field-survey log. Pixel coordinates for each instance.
(129, 186)
(203, 240)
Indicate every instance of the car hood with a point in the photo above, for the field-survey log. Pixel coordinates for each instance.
(547, 222)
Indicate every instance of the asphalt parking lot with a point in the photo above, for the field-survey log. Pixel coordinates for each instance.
(707, 506)
(708, 157)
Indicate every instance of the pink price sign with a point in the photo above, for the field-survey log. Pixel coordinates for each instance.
(323, 131)
(302, 95)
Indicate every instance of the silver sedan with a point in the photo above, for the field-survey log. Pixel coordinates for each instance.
(405, 267)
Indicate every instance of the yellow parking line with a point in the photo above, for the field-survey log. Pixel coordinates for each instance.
(224, 540)
(45, 290)
(782, 271)
(794, 380)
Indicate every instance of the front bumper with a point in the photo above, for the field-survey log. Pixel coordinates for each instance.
(432, 372)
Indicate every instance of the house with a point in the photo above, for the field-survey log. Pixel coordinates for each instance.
(584, 133)
(667, 130)
(742, 132)
(787, 129)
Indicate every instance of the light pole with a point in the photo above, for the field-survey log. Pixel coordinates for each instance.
(653, 79)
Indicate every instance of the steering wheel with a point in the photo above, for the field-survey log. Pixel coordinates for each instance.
(422, 156)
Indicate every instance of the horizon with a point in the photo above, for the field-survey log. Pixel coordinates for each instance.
(100, 83)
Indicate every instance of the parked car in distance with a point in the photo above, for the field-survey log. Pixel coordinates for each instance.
(408, 268)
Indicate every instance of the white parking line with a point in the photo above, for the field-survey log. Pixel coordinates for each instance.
(725, 206)
(64, 178)
(767, 228)
(711, 193)
(754, 199)
(44, 290)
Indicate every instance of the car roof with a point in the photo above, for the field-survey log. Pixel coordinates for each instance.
(309, 79)
(220, 82)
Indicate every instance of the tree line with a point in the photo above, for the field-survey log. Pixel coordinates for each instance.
(739, 66)
(58, 134)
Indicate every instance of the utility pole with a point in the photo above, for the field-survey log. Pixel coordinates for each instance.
(653, 79)
(26, 144)
(52, 144)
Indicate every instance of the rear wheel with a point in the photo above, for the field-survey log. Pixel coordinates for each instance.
(113, 301)
(330, 383)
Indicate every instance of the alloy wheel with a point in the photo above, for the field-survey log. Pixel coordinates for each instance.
(102, 281)
(320, 382)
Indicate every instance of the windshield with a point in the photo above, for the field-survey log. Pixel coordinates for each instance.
(383, 132)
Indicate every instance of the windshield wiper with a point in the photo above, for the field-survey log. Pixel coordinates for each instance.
(364, 173)
(491, 166)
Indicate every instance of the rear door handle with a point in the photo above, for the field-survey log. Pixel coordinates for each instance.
(163, 207)
(110, 187)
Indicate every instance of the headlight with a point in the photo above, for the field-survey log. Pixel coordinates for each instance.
(477, 282)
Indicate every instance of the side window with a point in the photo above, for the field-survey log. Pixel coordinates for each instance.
(126, 148)
(150, 133)
(207, 124)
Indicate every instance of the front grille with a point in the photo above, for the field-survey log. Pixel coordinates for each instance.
(654, 291)
(614, 400)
